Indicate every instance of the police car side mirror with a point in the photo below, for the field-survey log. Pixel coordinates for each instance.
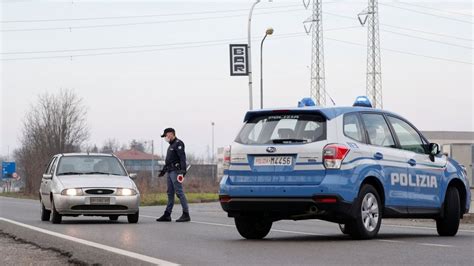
(132, 175)
(434, 149)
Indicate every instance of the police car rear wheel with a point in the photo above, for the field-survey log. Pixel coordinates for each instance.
(368, 220)
(449, 224)
(251, 227)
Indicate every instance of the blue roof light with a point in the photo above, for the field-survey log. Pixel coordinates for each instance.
(306, 102)
(362, 101)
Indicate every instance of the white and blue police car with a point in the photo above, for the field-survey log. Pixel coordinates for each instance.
(348, 165)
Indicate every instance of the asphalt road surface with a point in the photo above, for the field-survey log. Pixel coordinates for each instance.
(211, 239)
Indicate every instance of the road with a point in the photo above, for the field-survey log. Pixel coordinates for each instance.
(211, 239)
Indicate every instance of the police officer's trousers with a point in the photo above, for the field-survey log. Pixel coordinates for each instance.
(174, 187)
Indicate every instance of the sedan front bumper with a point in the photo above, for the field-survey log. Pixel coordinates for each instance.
(81, 205)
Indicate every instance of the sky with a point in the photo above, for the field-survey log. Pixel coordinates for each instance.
(169, 67)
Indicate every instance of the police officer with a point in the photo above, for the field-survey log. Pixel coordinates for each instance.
(175, 168)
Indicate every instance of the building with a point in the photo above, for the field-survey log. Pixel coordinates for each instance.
(138, 161)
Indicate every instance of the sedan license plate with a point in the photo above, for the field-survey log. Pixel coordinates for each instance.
(273, 161)
(100, 201)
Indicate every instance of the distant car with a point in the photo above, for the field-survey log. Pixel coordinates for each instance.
(88, 184)
(348, 165)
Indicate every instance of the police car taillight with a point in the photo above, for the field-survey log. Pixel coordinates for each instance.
(227, 154)
(333, 155)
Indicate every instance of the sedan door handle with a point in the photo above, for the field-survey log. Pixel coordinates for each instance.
(378, 156)
(412, 162)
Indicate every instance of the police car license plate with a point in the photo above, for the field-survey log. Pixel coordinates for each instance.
(100, 201)
(273, 160)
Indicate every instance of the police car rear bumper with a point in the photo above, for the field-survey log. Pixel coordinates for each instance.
(326, 207)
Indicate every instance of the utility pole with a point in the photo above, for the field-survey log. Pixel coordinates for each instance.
(374, 73)
(212, 152)
(315, 28)
(152, 159)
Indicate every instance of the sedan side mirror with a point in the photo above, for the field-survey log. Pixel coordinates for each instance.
(47, 176)
(434, 149)
(132, 175)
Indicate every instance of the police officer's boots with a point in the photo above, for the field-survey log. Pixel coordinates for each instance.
(184, 218)
(166, 217)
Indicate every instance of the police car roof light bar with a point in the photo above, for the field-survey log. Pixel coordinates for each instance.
(305, 102)
(362, 101)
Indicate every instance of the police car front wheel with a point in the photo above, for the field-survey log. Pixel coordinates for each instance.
(253, 227)
(368, 218)
(448, 225)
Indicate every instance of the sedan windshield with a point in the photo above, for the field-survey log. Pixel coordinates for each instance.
(283, 129)
(92, 165)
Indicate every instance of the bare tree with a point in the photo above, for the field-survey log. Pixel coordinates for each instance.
(137, 145)
(110, 146)
(55, 124)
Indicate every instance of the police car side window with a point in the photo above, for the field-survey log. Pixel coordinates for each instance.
(352, 127)
(408, 137)
(377, 130)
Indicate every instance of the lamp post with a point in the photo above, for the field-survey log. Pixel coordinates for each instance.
(269, 31)
(249, 52)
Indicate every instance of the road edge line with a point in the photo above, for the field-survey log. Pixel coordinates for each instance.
(119, 251)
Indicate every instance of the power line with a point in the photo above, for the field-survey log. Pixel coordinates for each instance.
(428, 32)
(437, 9)
(406, 52)
(143, 16)
(403, 28)
(280, 36)
(144, 23)
(430, 40)
(426, 13)
(220, 43)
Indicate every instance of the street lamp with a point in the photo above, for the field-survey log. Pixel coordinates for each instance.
(269, 31)
(213, 159)
(249, 52)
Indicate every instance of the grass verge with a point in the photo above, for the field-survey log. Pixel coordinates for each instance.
(19, 195)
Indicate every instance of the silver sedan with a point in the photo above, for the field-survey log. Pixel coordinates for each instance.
(88, 184)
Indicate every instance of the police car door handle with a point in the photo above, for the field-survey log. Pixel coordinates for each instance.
(378, 156)
(412, 162)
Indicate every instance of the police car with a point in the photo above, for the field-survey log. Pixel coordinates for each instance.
(348, 165)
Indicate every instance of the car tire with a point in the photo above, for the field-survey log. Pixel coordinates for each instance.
(113, 217)
(45, 214)
(251, 227)
(368, 216)
(133, 218)
(448, 225)
(56, 217)
(344, 229)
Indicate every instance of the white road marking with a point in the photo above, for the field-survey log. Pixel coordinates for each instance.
(95, 245)
(231, 225)
(390, 241)
(423, 227)
(435, 245)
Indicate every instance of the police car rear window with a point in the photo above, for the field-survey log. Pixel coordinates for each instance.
(283, 129)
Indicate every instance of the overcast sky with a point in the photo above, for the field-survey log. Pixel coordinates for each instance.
(133, 93)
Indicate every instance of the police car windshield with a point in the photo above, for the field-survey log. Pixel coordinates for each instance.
(89, 165)
(283, 129)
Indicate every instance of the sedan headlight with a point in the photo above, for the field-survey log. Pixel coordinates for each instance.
(72, 192)
(126, 192)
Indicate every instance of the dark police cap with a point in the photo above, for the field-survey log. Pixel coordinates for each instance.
(168, 130)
